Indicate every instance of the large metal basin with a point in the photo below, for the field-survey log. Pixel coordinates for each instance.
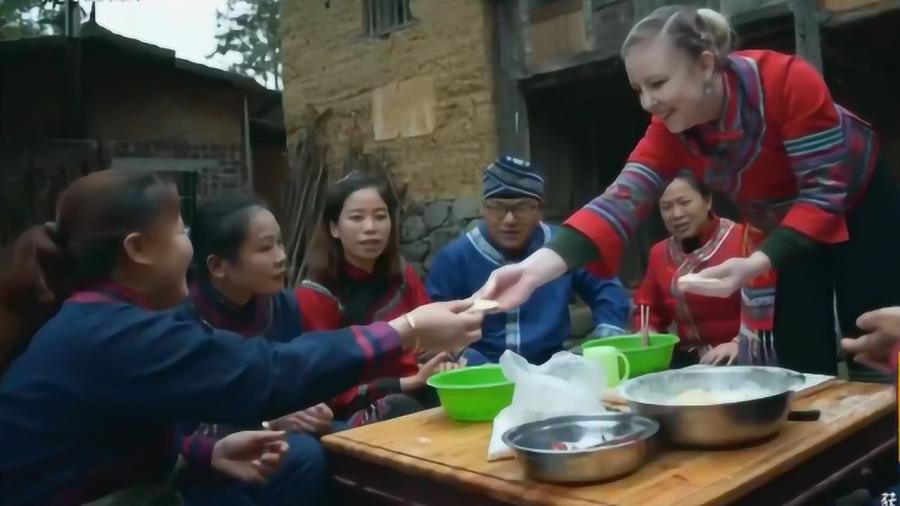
(733, 422)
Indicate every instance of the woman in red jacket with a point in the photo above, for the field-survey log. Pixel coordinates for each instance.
(761, 127)
(709, 327)
(356, 274)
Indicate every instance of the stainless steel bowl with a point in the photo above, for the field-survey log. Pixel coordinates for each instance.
(721, 424)
(601, 447)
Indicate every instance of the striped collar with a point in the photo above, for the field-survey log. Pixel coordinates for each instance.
(732, 144)
(711, 241)
(735, 79)
(252, 319)
(108, 291)
(383, 307)
(479, 239)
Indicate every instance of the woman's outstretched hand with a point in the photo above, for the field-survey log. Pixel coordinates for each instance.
(512, 285)
(441, 326)
(726, 278)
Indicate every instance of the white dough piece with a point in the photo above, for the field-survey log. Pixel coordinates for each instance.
(484, 305)
(698, 281)
(704, 397)
(696, 396)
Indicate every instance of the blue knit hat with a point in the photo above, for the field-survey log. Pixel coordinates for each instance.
(512, 178)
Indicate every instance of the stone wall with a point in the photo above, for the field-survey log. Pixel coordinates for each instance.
(329, 62)
(429, 227)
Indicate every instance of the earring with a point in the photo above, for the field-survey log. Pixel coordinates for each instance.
(708, 88)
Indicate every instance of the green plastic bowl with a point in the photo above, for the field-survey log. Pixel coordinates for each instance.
(641, 360)
(473, 394)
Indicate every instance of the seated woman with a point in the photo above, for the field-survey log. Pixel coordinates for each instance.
(356, 275)
(710, 328)
(105, 372)
(239, 269)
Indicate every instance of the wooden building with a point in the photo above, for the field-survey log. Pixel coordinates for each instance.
(97, 100)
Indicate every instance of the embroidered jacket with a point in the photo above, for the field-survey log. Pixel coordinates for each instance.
(323, 310)
(276, 318)
(783, 150)
(91, 405)
(701, 321)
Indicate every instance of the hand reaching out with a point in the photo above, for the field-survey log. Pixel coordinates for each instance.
(726, 278)
(442, 326)
(512, 285)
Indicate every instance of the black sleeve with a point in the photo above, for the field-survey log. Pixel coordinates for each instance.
(784, 244)
(574, 247)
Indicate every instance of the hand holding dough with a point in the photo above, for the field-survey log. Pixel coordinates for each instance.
(687, 282)
(484, 305)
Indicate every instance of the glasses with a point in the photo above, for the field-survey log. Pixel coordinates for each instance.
(518, 210)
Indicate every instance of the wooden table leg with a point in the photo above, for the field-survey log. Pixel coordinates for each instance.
(352, 494)
(809, 482)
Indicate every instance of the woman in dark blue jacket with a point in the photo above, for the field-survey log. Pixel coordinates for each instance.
(105, 370)
(239, 269)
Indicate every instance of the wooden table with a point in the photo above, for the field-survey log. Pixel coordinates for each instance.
(427, 459)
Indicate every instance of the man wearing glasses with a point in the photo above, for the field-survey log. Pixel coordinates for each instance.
(510, 231)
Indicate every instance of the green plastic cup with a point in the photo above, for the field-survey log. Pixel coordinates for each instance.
(473, 394)
(653, 358)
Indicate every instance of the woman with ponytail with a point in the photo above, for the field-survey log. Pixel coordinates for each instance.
(761, 127)
(239, 269)
(104, 371)
(26, 292)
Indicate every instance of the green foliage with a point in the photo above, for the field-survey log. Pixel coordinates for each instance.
(248, 30)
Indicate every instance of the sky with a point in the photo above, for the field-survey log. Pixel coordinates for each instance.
(187, 26)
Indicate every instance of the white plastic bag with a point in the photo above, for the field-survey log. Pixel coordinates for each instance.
(567, 384)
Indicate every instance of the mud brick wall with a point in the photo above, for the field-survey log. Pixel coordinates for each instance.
(330, 62)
